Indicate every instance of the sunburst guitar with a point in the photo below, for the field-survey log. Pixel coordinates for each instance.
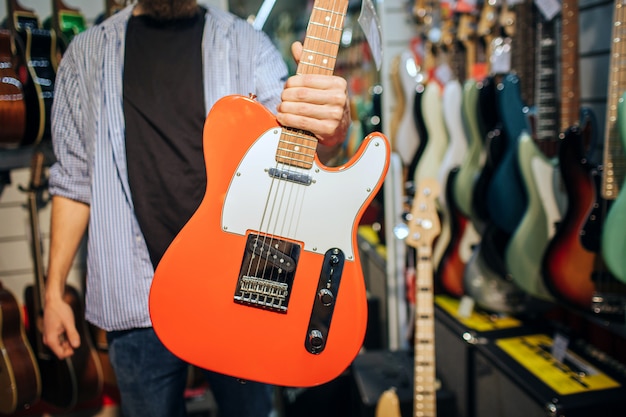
(264, 282)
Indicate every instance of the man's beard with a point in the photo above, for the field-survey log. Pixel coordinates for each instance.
(169, 9)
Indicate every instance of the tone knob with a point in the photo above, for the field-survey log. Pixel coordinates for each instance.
(316, 339)
(326, 296)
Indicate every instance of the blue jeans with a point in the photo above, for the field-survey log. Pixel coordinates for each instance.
(152, 381)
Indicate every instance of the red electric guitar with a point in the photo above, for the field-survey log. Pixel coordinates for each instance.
(264, 282)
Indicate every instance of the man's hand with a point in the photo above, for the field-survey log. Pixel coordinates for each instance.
(59, 328)
(318, 104)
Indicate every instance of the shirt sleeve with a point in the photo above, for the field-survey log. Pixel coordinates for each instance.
(271, 73)
(70, 174)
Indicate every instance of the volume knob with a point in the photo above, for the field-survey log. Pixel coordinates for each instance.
(326, 297)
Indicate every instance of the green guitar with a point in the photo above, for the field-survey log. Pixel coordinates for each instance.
(66, 21)
(614, 229)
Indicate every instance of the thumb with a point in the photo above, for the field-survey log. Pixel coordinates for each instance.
(296, 51)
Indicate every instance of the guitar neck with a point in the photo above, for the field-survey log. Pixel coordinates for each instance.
(425, 400)
(570, 80)
(36, 240)
(613, 160)
(546, 99)
(523, 44)
(424, 227)
(319, 55)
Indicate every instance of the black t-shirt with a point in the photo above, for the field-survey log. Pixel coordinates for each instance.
(164, 112)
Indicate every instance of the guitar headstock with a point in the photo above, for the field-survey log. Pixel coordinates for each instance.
(424, 225)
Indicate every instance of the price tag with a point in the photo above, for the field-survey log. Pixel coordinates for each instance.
(370, 23)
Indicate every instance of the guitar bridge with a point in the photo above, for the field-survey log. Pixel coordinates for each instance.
(267, 273)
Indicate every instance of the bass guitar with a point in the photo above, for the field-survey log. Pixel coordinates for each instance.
(277, 286)
(12, 102)
(20, 382)
(568, 265)
(541, 182)
(423, 229)
(78, 378)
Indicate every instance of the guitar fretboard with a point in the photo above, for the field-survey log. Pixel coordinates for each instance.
(424, 227)
(425, 401)
(320, 47)
(614, 163)
(570, 81)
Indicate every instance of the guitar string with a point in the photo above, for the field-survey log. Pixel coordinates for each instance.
(278, 201)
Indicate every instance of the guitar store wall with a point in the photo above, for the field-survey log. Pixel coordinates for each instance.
(484, 383)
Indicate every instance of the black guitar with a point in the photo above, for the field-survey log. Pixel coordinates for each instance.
(36, 69)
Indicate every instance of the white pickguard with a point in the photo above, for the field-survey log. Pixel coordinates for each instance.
(320, 215)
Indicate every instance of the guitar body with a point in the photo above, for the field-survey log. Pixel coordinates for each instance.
(475, 156)
(219, 322)
(40, 48)
(452, 101)
(525, 250)
(452, 158)
(407, 139)
(71, 381)
(485, 279)
(388, 404)
(449, 272)
(432, 112)
(567, 265)
(613, 235)
(12, 103)
(20, 382)
(506, 200)
(494, 142)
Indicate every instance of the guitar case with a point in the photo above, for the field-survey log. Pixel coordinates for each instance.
(374, 372)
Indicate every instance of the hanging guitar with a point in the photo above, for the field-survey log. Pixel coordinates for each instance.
(36, 69)
(258, 284)
(20, 382)
(12, 103)
(424, 227)
(78, 378)
(67, 22)
(568, 265)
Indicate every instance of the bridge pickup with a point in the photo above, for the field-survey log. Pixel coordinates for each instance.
(263, 247)
(290, 176)
(267, 272)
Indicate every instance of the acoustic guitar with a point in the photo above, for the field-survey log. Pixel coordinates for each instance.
(423, 229)
(78, 378)
(20, 382)
(12, 102)
(36, 68)
(67, 22)
(272, 288)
